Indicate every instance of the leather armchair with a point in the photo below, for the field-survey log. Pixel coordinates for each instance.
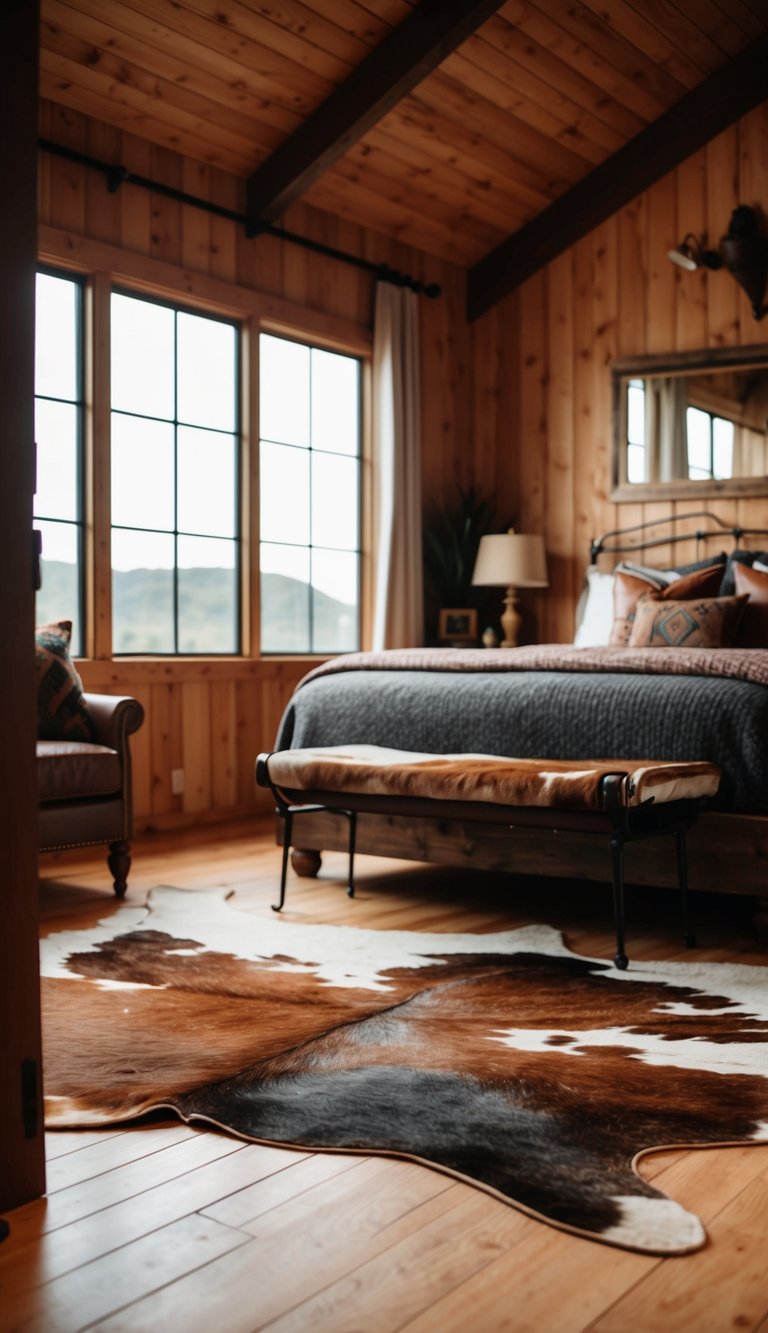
(84, 790)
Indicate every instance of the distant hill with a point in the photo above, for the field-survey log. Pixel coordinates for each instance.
(207, 611)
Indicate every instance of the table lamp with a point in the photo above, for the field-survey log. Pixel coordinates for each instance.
(511, 560)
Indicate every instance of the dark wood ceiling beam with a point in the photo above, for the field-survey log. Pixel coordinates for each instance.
(729, 93)
(403, 59)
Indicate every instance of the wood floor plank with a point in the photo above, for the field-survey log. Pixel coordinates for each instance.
(293, 1262)
(62, 1141)
(78, 1299)
(215, 1174)
(722, 1287)
(104, 1155)
(241, 1208)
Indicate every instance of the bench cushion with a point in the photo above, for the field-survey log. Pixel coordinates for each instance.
(563, 784)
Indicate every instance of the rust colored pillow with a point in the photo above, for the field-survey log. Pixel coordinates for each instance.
(709, 622)
(753, 626)
(629, 588)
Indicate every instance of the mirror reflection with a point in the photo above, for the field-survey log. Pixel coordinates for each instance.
(691, 424)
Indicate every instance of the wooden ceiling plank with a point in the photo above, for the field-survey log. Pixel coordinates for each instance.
(545, 108)
(619, 69)
(553, 159)
(447, 184)
(416, 199)
(441, 138)
(718, 102)
(692, 34)
(289, 83)
(558, 77)
(758, 9)
(271, 100)
(282, 28)
(394, 222)
(366, 26)
(181, 132)
(685, 60)
(60, 20)
(391, 70)
(167, 94)
(720, 26)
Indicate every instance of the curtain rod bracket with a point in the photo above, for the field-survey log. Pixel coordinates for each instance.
(116, 176)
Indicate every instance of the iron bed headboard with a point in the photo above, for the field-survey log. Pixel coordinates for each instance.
(600, 545)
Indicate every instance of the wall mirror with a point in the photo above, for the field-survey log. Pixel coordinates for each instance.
(690, 424)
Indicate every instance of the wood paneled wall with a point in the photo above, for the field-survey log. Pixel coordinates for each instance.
(541, 407)
(211, 718)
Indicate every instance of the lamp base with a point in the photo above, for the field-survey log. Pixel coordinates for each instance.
(511, 620)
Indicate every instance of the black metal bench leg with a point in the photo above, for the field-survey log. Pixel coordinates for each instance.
(617, 859)
(689, 939)
(287, 818)
(352, 816)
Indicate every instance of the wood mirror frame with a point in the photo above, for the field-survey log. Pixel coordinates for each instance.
(676, 363)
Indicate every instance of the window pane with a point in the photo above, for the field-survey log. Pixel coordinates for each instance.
(722, 447)
(636, 413)
(142, 337)
(206, 482)
(334, 501)
(335, 402)
(284, 599)
(142, 592)
(207, 596)
(699, 462)
(636, 463)
(142, 473)
(59, 596)
(284, 494)
(207, 382)
(56, 328)
(56, 432)
(334, 602)
(284, 391)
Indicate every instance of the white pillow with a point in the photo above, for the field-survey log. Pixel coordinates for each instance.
(594, 612)
(759, 565)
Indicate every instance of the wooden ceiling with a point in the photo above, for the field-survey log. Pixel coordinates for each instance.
(520, 113)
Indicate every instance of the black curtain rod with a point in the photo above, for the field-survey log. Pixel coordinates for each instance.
(117, 175)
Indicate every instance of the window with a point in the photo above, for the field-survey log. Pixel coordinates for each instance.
(309, 498)
(59, 435)
(637, 466)
(710, 445)
(175, 462)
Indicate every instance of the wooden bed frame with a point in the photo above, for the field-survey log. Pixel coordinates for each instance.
(727, 853)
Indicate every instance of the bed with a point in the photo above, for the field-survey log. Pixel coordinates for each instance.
(590, 699)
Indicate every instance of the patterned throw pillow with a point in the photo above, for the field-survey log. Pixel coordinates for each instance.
(61, 709)
(709, 622)
(629, 588)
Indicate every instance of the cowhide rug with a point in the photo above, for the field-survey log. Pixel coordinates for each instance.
(504, 1059)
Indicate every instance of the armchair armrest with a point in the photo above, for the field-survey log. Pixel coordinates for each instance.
(114, 718)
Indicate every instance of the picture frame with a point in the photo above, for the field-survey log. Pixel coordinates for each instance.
(457, 625)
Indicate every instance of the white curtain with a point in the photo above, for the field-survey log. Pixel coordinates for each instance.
(398, 610)
(666, 404)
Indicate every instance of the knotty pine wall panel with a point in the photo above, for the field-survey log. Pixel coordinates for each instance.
(210, 719)
(614, 293)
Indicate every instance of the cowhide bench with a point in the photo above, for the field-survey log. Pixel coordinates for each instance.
(625, 799)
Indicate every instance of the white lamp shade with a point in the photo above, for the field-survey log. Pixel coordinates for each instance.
(511, 560)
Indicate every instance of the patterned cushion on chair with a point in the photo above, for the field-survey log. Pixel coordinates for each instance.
(61, 710)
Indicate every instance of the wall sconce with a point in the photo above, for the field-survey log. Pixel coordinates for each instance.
(511, 560)
(743, 251)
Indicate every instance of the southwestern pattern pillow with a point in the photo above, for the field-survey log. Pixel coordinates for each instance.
(61, 710)
(629, 588)
(709, 622)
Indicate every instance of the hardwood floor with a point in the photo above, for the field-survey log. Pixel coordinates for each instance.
(166, 1227)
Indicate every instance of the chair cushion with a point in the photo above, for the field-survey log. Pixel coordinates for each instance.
(73, 770)
(564, 784)
(61, 710)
